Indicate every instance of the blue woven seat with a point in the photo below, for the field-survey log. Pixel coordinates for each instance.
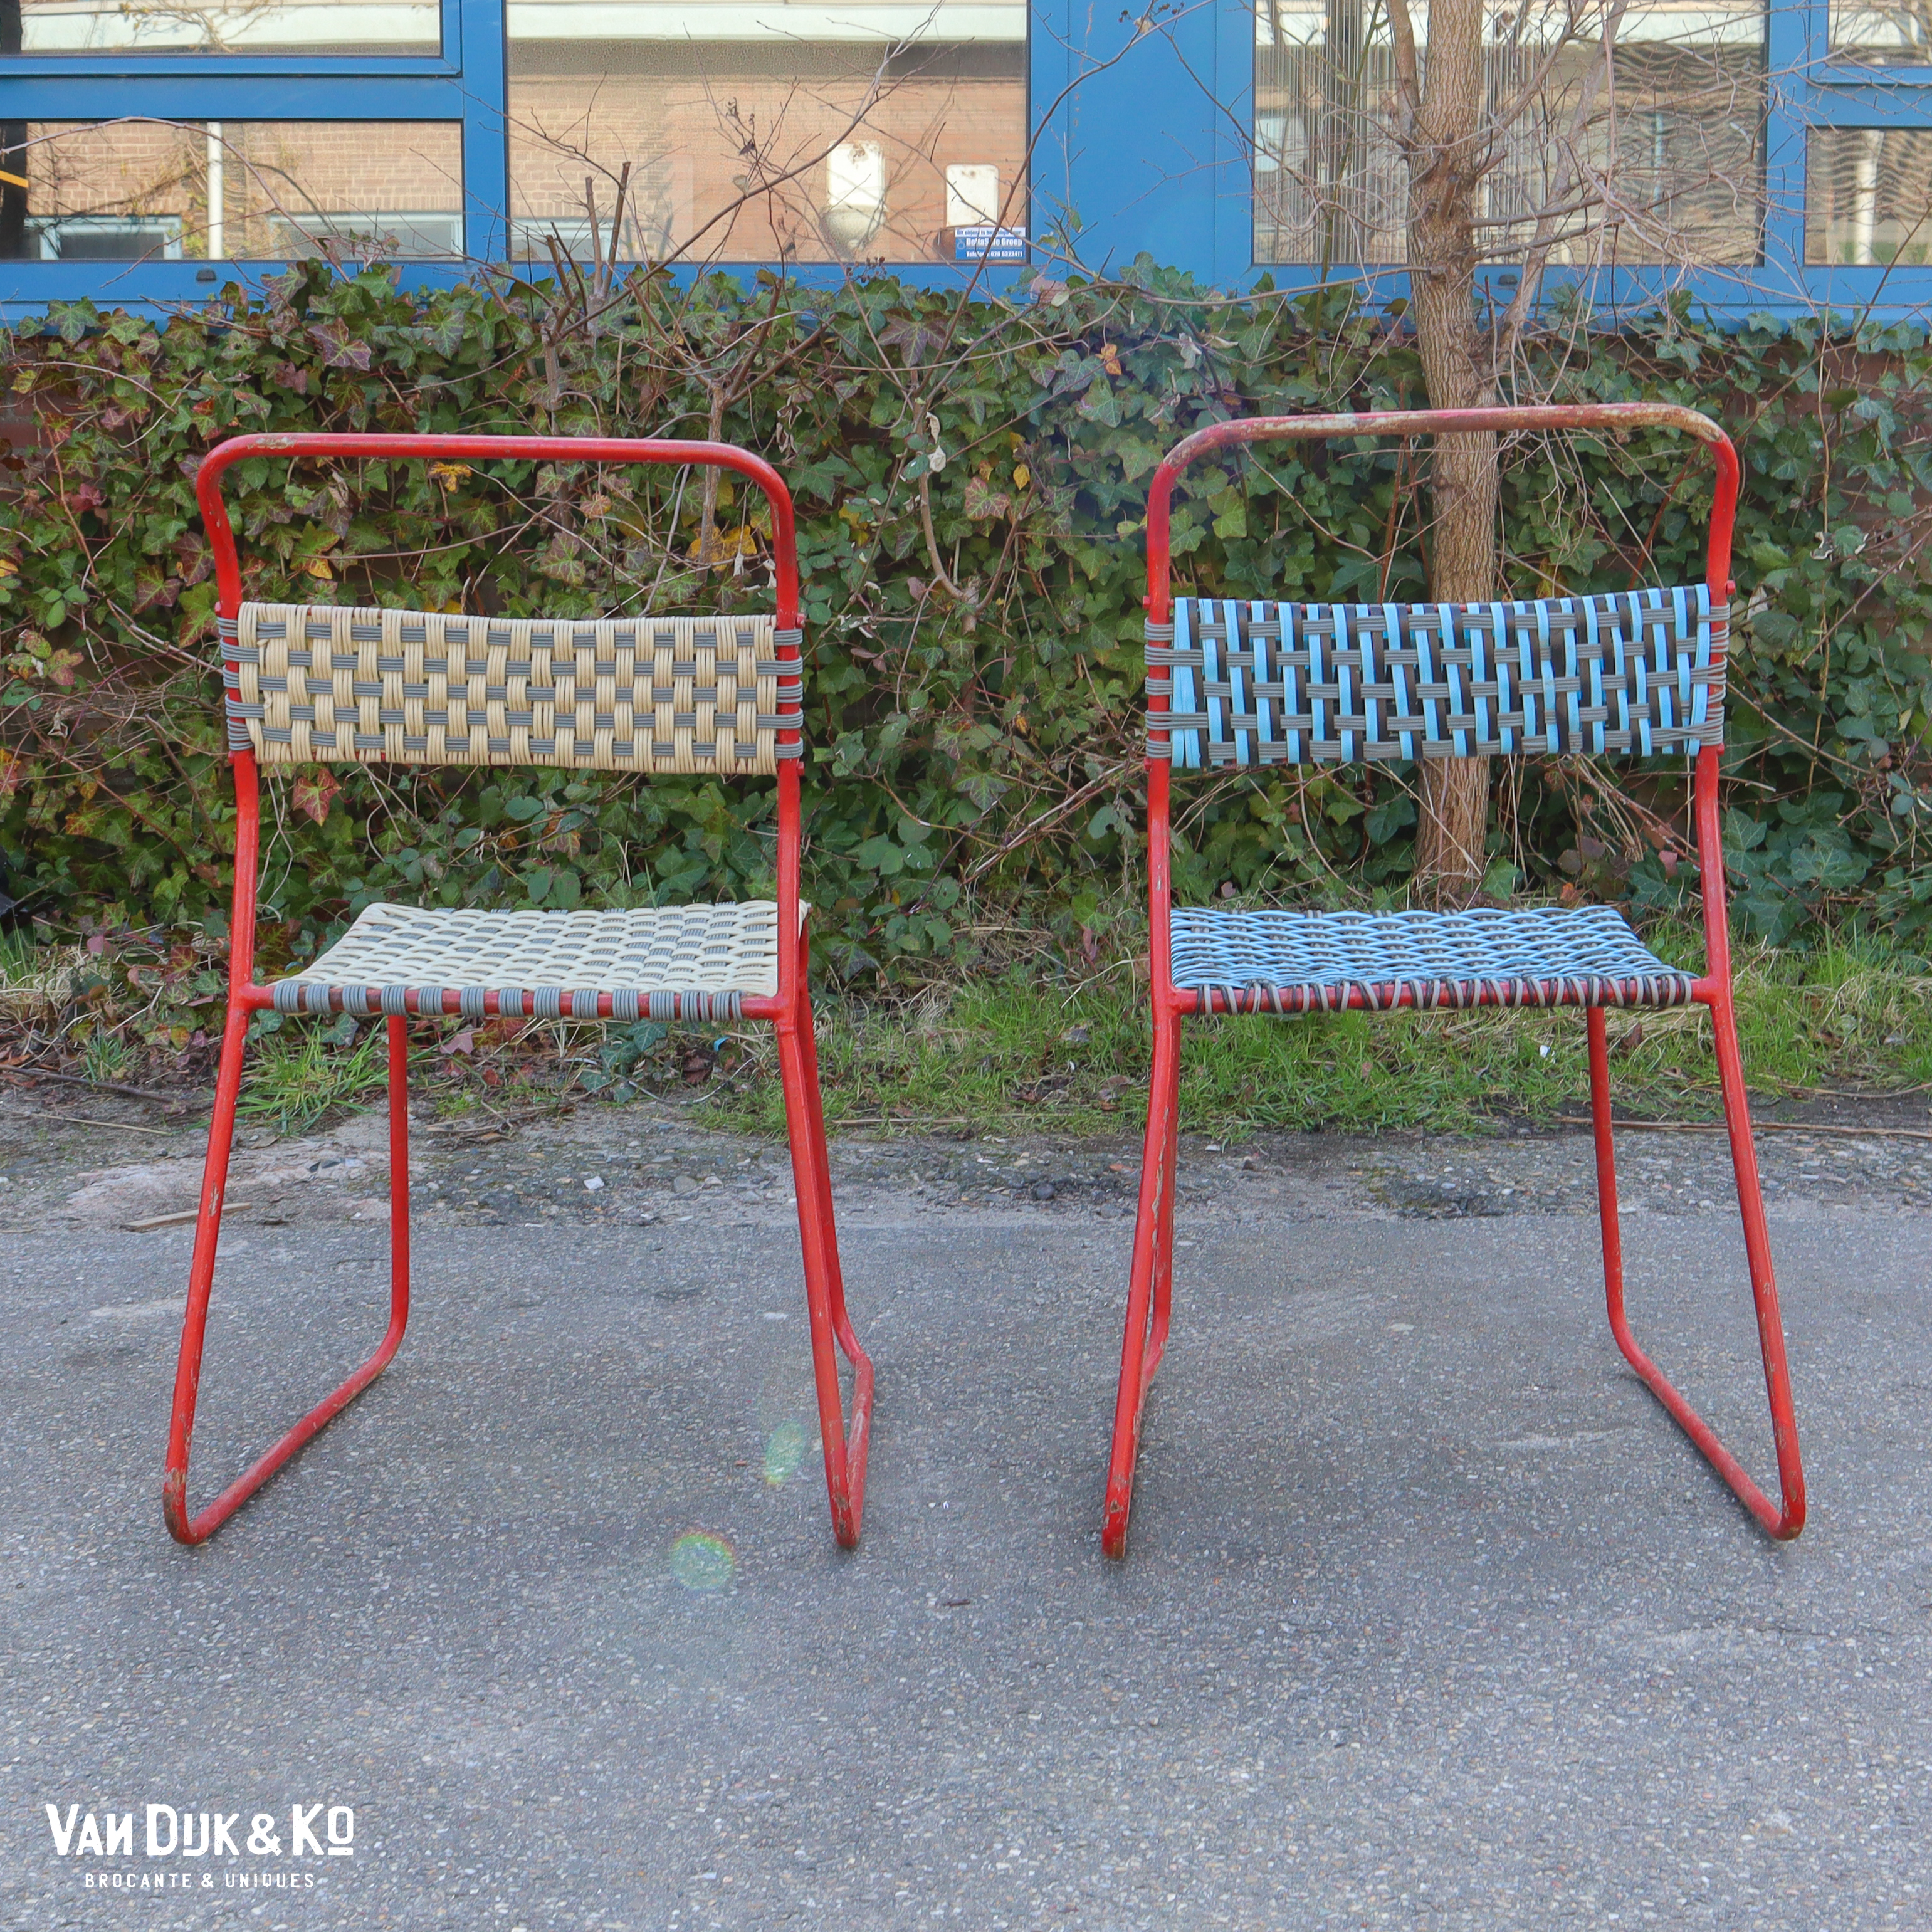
(1293, 962)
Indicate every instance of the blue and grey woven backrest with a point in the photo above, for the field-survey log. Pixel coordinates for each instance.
(1255, 683)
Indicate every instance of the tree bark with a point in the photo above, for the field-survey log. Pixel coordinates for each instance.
(1448, 154)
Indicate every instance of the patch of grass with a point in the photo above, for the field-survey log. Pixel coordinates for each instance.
(298, 1074)
(1018, 1052)
(18, 952)
(106, 1057)
(37, 979)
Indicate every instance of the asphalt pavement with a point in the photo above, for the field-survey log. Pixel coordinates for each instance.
(1431, 1618)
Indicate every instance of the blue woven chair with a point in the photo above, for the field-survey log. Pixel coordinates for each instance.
(1240, 683)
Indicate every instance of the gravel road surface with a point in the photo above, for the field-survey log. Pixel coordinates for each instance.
(1432, 1619)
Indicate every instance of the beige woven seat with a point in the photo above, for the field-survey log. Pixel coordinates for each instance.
(652, 962)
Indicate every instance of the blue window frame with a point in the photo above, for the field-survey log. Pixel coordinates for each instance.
(1130, 136)
(1185, 191)
(1866, 132)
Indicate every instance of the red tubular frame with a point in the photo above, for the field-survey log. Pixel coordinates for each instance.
(789, 1009)
(1150, 1286)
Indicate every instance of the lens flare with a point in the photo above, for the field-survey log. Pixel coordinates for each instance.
(785, 1450)
(701, 1560)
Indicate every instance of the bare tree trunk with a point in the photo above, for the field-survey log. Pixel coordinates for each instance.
(1448, 152)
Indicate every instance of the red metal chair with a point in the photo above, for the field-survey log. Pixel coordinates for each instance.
(1234, 682)
(714, 694)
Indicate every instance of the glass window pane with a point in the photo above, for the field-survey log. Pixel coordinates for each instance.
(1868, 196)
(224, 26)
(1898, 35)
(262, 190)
(764, 129)
(1673, 147)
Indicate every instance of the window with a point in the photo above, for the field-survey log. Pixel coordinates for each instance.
(1759, 154)
(825, 132)
(1868, 196)
(1882, 36)
(1764, 156)
(849, 130)
(1867, 187)
(1665, 165)
(246, 26)
(104, 237)
(141, 191)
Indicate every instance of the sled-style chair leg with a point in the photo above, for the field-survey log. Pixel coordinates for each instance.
(845, 1446)
(1782, 1520)
(1150, 1284)
(859, 1430)
(193, 1527)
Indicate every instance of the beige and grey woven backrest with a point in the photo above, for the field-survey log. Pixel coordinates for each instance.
(311, 684)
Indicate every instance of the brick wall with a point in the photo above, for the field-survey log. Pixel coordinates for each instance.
(696, 141)
(685, 137)
(299, 168)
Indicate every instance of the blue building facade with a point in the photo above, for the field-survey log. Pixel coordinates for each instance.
(1770, 159)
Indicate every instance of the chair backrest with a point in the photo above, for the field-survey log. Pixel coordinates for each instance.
(1235, 682)
(321, 683)
(315, 683)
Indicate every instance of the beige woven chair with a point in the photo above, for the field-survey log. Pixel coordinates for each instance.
(307, 684)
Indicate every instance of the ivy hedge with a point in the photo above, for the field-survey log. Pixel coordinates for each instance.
(971, 477)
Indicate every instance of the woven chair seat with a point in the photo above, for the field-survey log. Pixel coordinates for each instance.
(691, 962)
(1291, 962)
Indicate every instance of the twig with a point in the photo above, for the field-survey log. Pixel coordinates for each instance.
(31, 1072)
(183, 1216)
(617, 231)
(1757, 1127)
(596, 236)
(962, 1120)
(1033, 826)
(498, 1122)
(123, 1126)
(939, 569)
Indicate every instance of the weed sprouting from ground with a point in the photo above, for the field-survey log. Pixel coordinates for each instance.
(107, 1058)
(295, 1076)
